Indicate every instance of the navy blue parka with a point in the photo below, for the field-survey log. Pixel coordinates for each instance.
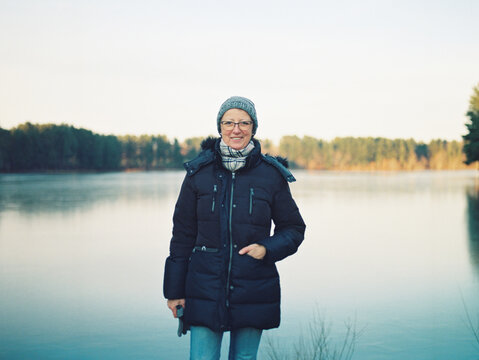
(218, 213)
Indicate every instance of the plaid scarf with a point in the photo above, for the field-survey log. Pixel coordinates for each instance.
(234, 159)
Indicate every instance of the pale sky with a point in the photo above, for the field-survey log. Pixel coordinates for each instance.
(397, 69)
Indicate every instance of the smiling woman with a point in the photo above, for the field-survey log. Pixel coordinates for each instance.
(236, 126)
(237, 122)
(221, 267)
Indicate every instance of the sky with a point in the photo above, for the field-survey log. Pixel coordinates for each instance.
(395, 69)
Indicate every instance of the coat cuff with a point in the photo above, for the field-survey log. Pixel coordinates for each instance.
(175, 277)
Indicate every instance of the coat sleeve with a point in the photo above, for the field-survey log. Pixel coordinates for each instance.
(289, 226)
(182, 241)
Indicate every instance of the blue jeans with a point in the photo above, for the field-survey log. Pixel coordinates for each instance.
(205, 344)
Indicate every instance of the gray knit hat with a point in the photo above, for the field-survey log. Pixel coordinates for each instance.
(238, 102)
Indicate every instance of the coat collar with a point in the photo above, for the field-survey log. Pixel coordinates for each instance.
(210, 153)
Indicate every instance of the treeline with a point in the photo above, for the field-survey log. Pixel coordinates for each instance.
(32, 147)
(350, 153)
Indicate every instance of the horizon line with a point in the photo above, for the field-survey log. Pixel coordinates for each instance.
(273, 139)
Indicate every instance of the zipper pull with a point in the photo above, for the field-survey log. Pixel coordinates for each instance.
(215, 190)
(251, 194)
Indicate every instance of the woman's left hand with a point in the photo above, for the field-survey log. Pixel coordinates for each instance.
(254, 250)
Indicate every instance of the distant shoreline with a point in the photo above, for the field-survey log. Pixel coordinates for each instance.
(126, 171)
(63, 148)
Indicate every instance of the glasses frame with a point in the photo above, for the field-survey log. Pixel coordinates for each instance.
(242, 125)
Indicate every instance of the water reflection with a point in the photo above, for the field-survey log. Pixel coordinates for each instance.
(81, 259)
(81, 262)
(472, 195)
(32, 193)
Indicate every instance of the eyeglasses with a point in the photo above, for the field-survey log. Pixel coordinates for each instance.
(230, 125)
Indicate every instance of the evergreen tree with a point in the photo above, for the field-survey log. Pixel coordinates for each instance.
(162, 146)
(471, 146)
(5, 144)
(176, 158)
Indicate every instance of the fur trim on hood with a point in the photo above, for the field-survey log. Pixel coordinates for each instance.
(282, 160)
(208, 143)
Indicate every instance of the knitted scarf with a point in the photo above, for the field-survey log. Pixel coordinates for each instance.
(234, 159)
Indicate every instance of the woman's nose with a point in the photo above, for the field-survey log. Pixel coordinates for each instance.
(236, 129)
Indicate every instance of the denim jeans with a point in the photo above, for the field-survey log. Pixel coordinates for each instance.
(205, 344)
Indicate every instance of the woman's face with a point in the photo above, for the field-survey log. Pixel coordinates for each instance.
(236, 138)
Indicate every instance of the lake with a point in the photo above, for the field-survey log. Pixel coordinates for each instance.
(396, 254)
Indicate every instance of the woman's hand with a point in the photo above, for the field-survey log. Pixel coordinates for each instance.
(172, 305)
(254, 250)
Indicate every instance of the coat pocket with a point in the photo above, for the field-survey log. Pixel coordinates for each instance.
(259, 206)
(204, 276)
(205, 249)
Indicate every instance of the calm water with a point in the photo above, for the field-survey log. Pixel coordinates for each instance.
(82, 255)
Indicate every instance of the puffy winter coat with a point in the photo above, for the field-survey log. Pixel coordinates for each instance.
(218, 213)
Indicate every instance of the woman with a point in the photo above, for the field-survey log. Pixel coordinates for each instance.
(221, 267)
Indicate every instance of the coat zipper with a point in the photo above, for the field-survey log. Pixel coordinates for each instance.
(231, 239)
(215, 190)
(251, 194)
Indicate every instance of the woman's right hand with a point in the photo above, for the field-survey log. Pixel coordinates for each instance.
(172, 303)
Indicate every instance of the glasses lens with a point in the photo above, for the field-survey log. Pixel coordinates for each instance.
(228, 125)
(244, 125)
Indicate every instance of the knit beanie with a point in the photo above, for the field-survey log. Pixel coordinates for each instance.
(238, 102)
